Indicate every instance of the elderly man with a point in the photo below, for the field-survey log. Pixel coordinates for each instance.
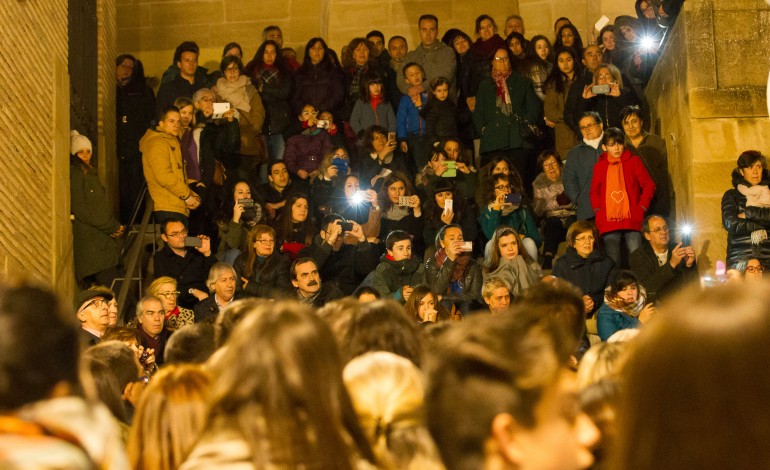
(164, 169)
(435, 57)
(496, 294)
(579, 169)
(221, 285)
(307, 281)
(514, 23)
(153, 334)
(92, 307)
(662, 265)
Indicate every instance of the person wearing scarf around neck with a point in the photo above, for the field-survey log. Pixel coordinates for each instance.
(165, 288)
(621, 192)
(510, 263)
(372, 109)
(453, 273)
(499, 100)
(625, 305)
(746, 210)
(235, 88)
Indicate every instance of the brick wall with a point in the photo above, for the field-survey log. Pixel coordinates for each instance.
(35, 233)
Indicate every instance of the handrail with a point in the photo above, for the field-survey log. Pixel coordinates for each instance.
(133, 258)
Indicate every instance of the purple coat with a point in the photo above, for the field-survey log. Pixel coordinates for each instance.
(305, 151)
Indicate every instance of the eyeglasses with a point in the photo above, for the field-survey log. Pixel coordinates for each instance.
(587, 238)
(550, 165)
(266, 241)
(97, 302)
(503, 187)
(755, 269)
(168, 295)
(604, 76)
(663, 229)
(207, 99)
(501, 59)
(588, 126)
(181, 233)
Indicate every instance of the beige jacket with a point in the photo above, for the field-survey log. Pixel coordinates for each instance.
(164, 171)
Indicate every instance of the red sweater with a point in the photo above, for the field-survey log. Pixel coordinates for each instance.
(639, 186)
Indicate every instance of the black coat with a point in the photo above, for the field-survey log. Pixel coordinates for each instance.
(320, 86)
(270, 281)
(591, 275)
(439, 280)
(344, 268)
(134, 111)
(190, 271)
(660, 281)
(739, 246)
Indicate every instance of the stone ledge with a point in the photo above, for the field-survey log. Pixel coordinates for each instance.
(749, 101)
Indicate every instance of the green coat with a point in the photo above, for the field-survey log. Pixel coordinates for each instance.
(92, 223)
(498, 131)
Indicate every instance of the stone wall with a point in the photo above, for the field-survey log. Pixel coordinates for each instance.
(151, 29)
(35, 232)
(708, 100)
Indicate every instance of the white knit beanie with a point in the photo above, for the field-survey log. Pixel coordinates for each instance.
(79, 142)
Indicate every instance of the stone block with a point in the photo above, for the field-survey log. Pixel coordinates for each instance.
(749, 67)
(733, 102)
(306, 8)
(725, 24)
(248, 34)
(254, 10)
(720, 5)
(189, 15)
(133, 15)
(711, 178)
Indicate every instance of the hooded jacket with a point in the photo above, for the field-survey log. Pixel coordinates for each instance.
(164, 171)
(739, 246)
(390, 276)
(639, 187)
(591, 275)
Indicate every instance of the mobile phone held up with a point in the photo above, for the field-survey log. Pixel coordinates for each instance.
(194, 242)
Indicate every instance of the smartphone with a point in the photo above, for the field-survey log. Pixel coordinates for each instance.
(513, 198)
(403, 201)
(346, 226)
(448, 205)
(323, 124)
(600, 89)
(451, 169)
(246, 203)
(220, 109)
(193, 242)
(391, 136)
(466, 246)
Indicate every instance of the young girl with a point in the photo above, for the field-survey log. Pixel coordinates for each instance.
(372, 108)
(440, 112)
(305, 150)
(625, 305)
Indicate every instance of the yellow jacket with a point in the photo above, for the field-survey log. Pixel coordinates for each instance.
(164, 171)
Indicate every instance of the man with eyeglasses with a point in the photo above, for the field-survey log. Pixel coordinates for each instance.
(189, 265)
(92, 309)
(663, 266)
(579, 167)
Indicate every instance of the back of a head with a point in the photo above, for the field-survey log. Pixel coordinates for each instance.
(382, 326)
(120, 359)
(558, 300)
(339, 314)
(492, 365)
(284, 368)
(231, 316)
(169, 418)
(696, 388)
(191, 344)
(387, 392)
(39, 345)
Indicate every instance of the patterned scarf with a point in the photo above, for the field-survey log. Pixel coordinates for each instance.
(461, 263)
(632, 309)
(616, 198)
(503, 100)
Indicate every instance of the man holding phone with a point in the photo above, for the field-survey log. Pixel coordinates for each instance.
(186, 259)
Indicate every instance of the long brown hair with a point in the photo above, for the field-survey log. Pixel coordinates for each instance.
(286, 225)
(494, 257)
(169, 418)
(251, 257)
(282, 391)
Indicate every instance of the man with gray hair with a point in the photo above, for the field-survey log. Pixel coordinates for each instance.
(496, 294)
(152, 325)
(221, 285)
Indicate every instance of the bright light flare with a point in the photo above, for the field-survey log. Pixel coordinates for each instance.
(647, 43)
(358, 198)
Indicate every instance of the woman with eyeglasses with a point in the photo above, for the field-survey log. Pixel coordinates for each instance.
(552, 204)
(608, 95)
(165, 288)
(584, 265)
(506, 204)
(262, 271)
(505, 102)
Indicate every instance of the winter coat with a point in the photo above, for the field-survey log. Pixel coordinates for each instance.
(639, 187)
(275, 98)
(660, 281)
(439, 280)
(134, 111)
(343, 268)
(739, 246)
(190, 271)
(609, 321)
(306, 150)
(577, 175)
(481, 54)
(365, 116)
(219, 141)
(320, 86)
(270, 281)
(545, 193)
(92, 222)
(178, 86)
(408, 119)
(498, 131)
(390, 276)
(652, 151)
(591, 275)
(440, 119)
(553, 108)
(164, 171)
(609, 107)
(520, 219)
(251, 124)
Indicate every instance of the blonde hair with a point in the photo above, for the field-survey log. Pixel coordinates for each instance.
(601, 361)
(154, 287)
(169, 418)
(387, 391)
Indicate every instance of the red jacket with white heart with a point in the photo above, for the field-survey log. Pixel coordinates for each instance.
(639, 187)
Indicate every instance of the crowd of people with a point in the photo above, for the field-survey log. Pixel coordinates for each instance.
(492, 213)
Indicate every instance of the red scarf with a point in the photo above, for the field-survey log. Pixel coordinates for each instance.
(173, 313)
(503, 100)
(616, 198)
